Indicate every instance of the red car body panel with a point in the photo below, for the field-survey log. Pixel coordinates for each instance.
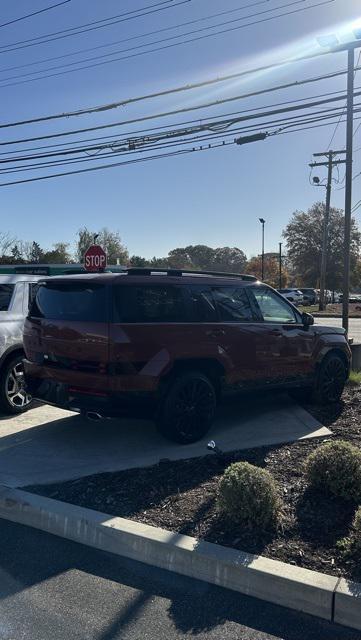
(115, 358)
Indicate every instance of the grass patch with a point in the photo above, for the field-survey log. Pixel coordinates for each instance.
(332, 310)
(355, 378)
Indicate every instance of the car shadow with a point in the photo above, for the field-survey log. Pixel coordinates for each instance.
(69, 447)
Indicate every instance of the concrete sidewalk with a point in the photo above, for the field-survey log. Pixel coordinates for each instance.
(49, 445)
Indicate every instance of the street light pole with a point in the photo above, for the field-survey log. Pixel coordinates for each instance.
(280, 265)
(262, 221)
(348, 186)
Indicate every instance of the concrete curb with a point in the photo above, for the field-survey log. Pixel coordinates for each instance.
(283, 584)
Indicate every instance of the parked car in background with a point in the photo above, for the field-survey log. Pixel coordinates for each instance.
(292, 295)
(174, 339)
(354, 298)
(309, 296)
(16, 292)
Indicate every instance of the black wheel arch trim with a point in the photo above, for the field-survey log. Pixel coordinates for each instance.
(15, 348)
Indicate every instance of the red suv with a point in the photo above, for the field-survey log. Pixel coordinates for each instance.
(103, 343)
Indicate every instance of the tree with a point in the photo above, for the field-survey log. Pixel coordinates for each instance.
(304, 242)
(205, 258)
(271, 270)
(229, 259)
(6, 243)
(109, 240)
(37, 254)
(58, 255)
(138, 261)
(16, 255)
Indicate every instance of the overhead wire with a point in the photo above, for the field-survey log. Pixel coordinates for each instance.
(153, 117)
(148, 142)
(136, 37)
(19, 81)
(159, 132)
(156, 128)
(181, 88)
(178, 152)
(121, 17)
(34, 13)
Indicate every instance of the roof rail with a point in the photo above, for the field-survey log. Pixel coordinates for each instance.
(147, 271)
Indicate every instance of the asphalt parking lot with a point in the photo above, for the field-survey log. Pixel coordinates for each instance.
(48, 445)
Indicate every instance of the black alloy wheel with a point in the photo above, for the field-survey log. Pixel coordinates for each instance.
(187, 411)
(331, 379)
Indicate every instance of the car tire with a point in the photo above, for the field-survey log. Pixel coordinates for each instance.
(13, 396)
(331, 379)
(187, 409)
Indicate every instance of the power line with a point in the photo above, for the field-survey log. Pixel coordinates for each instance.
(157, 116)
(162, 48)
(142, 35)
(162, 128)
(121, 17)
(122, 163)
(158, 128)
(146, 143)
(187, 87)
(114, 164)
(35, 13)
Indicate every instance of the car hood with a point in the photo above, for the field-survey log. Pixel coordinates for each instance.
(322, 329)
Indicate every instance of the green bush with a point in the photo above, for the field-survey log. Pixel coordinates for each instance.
(249, 496)
(335, 467)
(356, 531)
(350, 546)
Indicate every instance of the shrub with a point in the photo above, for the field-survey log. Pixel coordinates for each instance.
(351, 545)
(356, 531)
(335, 467)
(249, 496)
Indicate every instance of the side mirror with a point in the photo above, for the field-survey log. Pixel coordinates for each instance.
(307, 320)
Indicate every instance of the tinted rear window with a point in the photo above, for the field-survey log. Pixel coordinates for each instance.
(149, 303)
(71, 301)
(6, 293)
(202, 307)
(233, 304)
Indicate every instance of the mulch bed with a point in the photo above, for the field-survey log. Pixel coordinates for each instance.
(182, 496)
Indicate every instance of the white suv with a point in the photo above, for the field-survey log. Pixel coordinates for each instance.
(16, 292)
(292, 295)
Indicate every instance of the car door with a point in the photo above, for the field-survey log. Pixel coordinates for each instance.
(284, 346)
(235, 333)
(147, 332)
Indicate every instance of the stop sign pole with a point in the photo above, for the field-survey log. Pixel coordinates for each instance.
(95, 259)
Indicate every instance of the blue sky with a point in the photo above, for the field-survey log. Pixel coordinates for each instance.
(213, 198)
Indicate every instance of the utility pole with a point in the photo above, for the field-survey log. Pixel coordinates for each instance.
(329, 164)
(348, 186)
(280, 265)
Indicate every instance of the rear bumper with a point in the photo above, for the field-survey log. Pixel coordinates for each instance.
(85, 392)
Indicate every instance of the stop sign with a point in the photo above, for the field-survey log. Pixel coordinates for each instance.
(95, 258)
